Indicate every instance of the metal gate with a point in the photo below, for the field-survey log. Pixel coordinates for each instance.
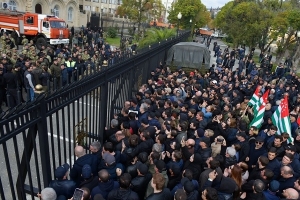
(39, 136)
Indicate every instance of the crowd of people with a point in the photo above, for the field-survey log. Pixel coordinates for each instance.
(52, 67)
(187, 136)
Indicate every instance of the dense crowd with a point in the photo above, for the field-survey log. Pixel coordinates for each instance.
(187, 136)
(52, 67)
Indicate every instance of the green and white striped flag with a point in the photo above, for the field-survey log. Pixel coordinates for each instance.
(254, 101)
(281, 119)
(259, 116)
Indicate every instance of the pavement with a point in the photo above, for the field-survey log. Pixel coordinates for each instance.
(223, 46)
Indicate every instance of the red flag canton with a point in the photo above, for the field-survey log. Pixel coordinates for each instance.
(284, 108)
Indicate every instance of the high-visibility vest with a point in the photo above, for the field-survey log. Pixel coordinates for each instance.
(70, 64)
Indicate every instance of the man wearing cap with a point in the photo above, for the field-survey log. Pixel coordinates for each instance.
(257, 149)
(189, 188)
(56, 72)
(139, 183)
(89, 179)
(62, 185)
(82, 159)
(111, 166)
(273, 188)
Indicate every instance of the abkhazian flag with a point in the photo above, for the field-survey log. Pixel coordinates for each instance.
(281, 119)
(259, 116)
(254, 101)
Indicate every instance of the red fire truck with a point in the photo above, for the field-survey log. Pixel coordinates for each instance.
(42, 29)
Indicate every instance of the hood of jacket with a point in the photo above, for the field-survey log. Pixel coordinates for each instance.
(107, 186)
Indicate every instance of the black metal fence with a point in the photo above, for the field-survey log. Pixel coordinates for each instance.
(41, 135)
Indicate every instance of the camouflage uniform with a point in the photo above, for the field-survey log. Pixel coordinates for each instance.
(2, 41)
(85, 57)
(24, 40)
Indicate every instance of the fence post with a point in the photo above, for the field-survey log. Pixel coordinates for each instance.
(103, 109)
(44, 143)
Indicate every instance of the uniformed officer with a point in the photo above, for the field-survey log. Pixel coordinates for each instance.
(56, 72)
(71, 67)
(24, 40)
(85, 56)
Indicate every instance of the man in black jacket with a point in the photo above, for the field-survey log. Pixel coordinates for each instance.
(124, 192)
(139, 184)
(90, 180)
(145, 145)
(160, 193)
(11, 85)
(204, 151)
(245, 148)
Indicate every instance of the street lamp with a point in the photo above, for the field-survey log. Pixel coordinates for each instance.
(179, 16)
(191, 27)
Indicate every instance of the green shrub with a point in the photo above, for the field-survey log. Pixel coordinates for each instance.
(112, 32)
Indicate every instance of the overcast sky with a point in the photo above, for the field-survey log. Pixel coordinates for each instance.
(214, 3)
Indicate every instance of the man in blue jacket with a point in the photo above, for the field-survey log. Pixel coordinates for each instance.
(63, 186)
(105, 184)
(75, 172)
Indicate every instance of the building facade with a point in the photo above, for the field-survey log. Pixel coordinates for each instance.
(168, 5)
(75, 12)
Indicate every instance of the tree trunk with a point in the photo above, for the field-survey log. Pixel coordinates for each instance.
(285, 43)
(296, 58)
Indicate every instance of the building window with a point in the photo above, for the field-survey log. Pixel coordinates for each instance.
(103, 1)
(12, 5)
(70, 14)
(56, 10)
(97, 1)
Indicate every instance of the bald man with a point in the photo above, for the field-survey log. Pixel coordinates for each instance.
(290, 193)
(188, 148)
(82, 159)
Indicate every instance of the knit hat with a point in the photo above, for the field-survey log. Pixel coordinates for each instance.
(274, 186)
(108, 158)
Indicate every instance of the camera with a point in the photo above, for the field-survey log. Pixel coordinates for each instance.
(220, 140)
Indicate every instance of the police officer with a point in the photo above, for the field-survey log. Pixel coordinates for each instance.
(71, 67)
